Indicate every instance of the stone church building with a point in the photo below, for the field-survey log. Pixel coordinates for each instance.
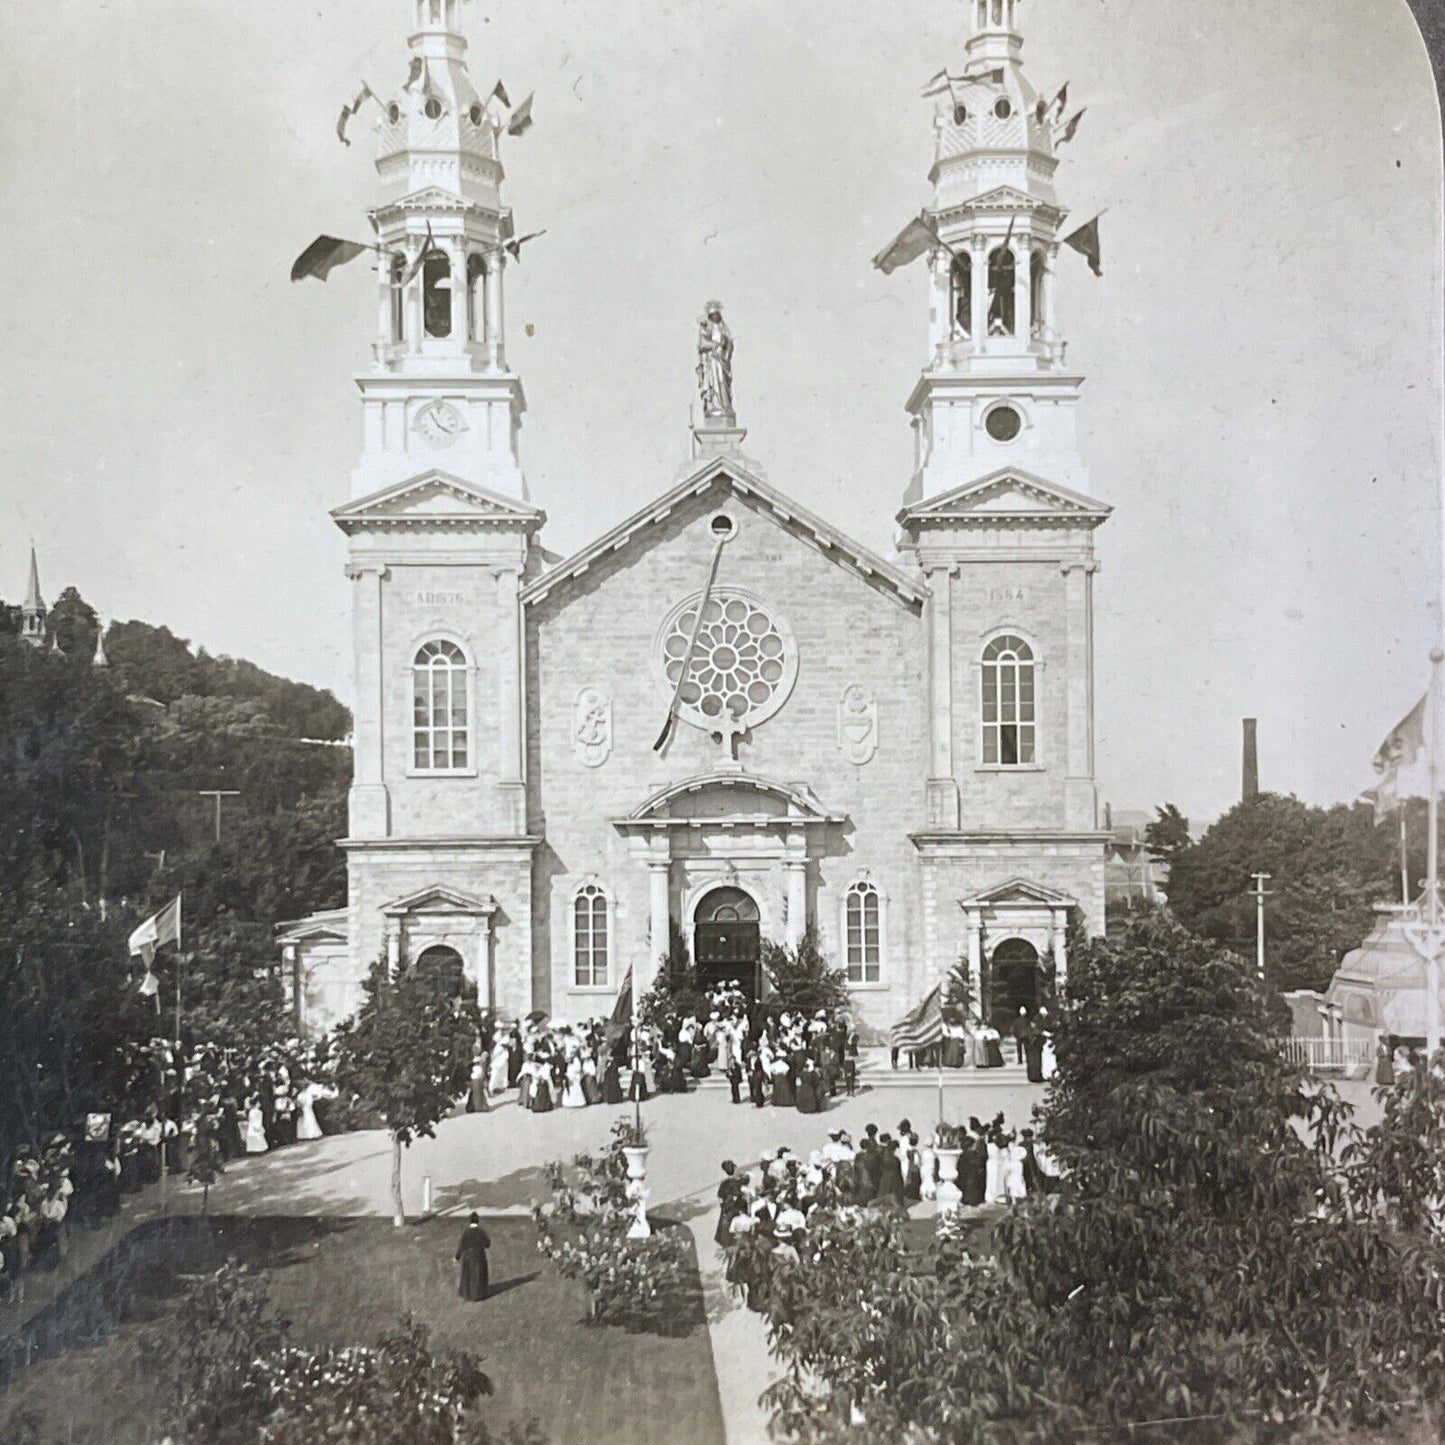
(723, 715)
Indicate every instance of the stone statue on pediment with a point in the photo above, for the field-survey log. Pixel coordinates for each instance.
(715, 363)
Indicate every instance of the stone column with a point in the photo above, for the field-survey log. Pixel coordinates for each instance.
(1023, 292)
(458, 249)
(1051, 256)
(975, 958)
(393, 945)
(940, 314)
(980, 290)
(385, 307)
(1078, 694)
(659, 915)
(478, 286)
(484, 962)
(795, 875)
(413, 314)
(510, 740)
(496, 321)
(942, 787)
(368, 798)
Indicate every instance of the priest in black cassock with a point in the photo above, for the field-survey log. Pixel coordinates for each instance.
(472, 1252)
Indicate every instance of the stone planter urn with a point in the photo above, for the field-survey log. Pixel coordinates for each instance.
(949, 1194)
(636, 1156)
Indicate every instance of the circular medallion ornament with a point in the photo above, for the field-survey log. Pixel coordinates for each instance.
(742, 666)
(439, 423)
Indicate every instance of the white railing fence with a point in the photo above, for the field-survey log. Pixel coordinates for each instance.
(1330, 1056)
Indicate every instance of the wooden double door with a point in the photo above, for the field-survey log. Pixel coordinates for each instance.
(727, 941)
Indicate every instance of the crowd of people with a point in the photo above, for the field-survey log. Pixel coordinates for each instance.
(758, 1218)
(789, 1060)
(971, 1043)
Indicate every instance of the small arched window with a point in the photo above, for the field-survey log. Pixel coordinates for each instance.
(963, 295)
(1001, 275)
(591, 923)
(863, 933)
(440, 742)
(1009, 716)
(436, 295)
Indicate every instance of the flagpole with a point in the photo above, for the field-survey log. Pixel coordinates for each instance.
(1432, 866)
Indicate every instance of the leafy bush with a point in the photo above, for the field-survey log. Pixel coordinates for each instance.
(802, 979)
(582, 1229)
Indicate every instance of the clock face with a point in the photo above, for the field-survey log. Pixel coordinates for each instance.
(439, 423)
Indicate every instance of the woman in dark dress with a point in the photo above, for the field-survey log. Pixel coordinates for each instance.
(1033, 1039)
(1384, 1065)
(612, 1081)
(472, 1252)
(973, 1166)
(731, 1202)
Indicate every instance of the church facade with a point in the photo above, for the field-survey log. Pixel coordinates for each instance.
(722, 719)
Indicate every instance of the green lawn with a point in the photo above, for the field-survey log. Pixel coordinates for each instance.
(344, 1282)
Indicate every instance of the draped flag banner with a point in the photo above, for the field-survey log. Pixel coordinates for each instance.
(1072, 128)
(923, 1027)
(159, 929)
(514, 247)
(1400, 761)
(1086, 242)
(324, 255)
(347, 111)
(521, 118)
(907, 246)
(622, 1009)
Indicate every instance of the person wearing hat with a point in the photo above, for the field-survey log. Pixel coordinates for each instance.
(732, 1201)
(890, 1171)
(472, 1253)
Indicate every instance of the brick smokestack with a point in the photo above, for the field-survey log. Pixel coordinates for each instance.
(1251, 758)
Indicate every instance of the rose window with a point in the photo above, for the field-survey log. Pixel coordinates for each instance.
(743, 664)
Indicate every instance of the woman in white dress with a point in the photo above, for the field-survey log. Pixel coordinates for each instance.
(993, 1189)
(1012, 1162)
(256, 1129)
(307, 1126)
(573, 1095)
(497, 1081)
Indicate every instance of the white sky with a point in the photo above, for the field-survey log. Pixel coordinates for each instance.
(1264, 398)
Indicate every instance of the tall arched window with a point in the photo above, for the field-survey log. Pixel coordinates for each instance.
(963, 295)
(863, 933)
(439, 709)
(590, 940)
(1001, 275)
(1008, 703)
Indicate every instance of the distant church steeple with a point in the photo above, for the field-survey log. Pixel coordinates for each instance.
(994, 391)
(32, 610)
(440, 391)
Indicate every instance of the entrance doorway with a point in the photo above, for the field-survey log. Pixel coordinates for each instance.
(727, 940)
(1014, 979)
(444, 966)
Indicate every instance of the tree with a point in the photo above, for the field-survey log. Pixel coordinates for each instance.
(1328, 867)
(407, 1056)
(74, 625)
(677, 990)
(802, 979)
(1168, 834)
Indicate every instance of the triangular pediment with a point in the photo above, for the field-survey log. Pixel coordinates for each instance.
(434, 498)
(732, 795)
(1007, 495)
(1019, 893)
(708, 478)
(437, 899)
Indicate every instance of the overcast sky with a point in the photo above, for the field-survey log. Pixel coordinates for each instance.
(1263, 405)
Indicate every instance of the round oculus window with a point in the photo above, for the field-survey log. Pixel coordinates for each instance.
(723, 527)
(433, 108)
(960, 114)
(476, 113)
(393, 112)
(1003, 109)
(741, 668)
(1003, 423)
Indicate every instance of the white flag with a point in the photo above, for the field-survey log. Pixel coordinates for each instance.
(160, 928)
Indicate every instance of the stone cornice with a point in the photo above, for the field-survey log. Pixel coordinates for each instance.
(958, 844)
(522, 846)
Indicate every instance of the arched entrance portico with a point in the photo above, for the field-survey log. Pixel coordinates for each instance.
(1014, 981)
(727, 939)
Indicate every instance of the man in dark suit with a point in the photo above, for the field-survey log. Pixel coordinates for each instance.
(472, 1253)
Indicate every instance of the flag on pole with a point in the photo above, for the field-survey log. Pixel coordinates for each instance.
(514, 246)
(1072, 128)
(159, 929)
(922, 1026)
(1086, 242)
(1061, 99)
(1399, 763)
(429, 248)
(324, 255)
(414, 72)
(984, 77)
(938, 84)
(499, 92)
(347, 111)
(150, 985)
(908, 245)
(521, 118)
(622, 1009)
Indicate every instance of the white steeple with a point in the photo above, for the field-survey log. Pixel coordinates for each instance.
(32, 610)
(440, 393)
(994, 391)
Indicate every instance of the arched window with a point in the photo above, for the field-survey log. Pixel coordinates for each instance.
(439, 709)
(590, 937)
(863, 933)
(1008, 703)
(443, 965)
(436, 295)
(963, 295)
(1001, 272)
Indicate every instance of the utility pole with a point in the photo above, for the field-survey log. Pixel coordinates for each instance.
(218, 794)
(1260, 894)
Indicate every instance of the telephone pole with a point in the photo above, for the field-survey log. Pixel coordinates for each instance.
(1260, 894)
(218, 794)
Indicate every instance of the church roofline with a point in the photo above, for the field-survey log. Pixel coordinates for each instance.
(454, 898)
(942, 508)
(507, 511)
(1036, 893)
(803, 807)
(696, 482)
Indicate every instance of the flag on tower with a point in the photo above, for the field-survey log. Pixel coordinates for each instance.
(514, 246)
(160, 928)
(415, 71)
(1072, 128)
(1086, 242)
(1398, 761)
(985, 77)
(499, 92)
(908, 245)
(347, 111)
(429, 248)
(1061, 99)
(521, 118)
(324, 255)
(938, 84)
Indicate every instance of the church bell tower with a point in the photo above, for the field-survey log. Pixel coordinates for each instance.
(440, 390)
(995, 390)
